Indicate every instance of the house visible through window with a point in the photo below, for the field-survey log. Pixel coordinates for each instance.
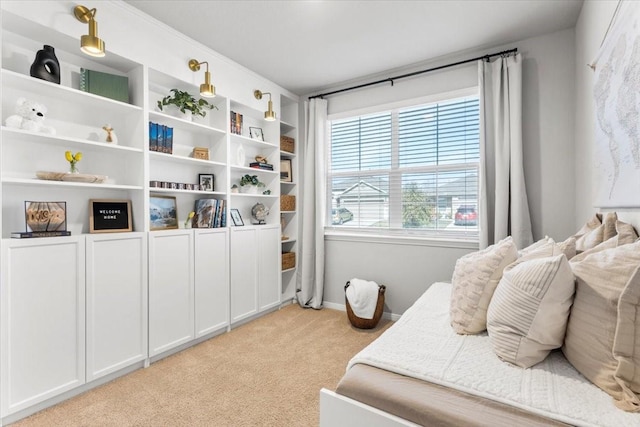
(411, 170)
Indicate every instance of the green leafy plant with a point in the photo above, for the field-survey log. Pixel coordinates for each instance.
(186, 102)
(251, 180)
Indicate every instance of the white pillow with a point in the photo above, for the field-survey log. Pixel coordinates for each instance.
(475, 277)
(528, 314)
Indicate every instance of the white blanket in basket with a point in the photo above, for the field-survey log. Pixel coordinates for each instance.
(363, 297)
(422, 345)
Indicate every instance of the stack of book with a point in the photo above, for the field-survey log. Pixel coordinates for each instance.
(210, 213)
(263, 166)
(30, 234)
(236, 123)
(160, 138)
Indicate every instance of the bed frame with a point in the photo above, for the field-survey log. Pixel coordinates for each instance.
(340, 411)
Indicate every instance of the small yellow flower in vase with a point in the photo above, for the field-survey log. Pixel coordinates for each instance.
(188, 221)
(73, 159)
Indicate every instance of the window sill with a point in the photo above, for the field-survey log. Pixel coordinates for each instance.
(345, 236)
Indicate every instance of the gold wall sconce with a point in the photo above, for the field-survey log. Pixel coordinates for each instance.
(269, 115)
(206, 89)
(90, 44)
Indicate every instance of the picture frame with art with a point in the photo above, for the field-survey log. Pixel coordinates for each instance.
(163, 212)
(256, 133)
(206, 181)
(286, 171)
(236, 217)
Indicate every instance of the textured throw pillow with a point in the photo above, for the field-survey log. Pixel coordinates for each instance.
(528, 313)
(592, 333)
(568, 247)
(475, 277)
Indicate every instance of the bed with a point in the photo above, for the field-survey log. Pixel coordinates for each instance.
(421, 372)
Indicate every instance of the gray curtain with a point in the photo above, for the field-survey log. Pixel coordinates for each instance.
(504, 209)
(313, 209)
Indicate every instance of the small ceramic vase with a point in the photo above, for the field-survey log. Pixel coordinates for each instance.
(46, 65)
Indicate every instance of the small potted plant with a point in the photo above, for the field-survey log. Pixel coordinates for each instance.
(250, 184)
(186, 103)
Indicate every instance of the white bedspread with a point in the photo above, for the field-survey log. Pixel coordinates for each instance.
(422, 345)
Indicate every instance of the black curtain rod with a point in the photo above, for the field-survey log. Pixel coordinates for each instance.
(415, 73)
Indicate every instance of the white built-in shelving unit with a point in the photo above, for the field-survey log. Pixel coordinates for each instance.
(289, 219)
(79, 310)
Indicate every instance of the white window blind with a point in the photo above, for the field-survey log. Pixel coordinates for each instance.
(411, 170)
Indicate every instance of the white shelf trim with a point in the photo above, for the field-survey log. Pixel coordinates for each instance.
(42, 182)
(63, 140)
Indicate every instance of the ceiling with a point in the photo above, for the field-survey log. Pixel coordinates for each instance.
(308, 46)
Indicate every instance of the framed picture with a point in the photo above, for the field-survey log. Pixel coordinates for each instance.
(109, 216)
(206, 181)
(256, 133)
(286, 174)
(45, 216)
(163, 212)
(236, 218)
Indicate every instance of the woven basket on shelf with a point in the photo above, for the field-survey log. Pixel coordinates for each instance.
(359, 322)
(288, 260)
(287, 144)
(287, 202)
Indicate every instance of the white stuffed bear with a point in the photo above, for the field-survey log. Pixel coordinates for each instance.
(30, 116)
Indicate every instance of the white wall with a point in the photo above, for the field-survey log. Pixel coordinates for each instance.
(548, 125)
(590, 31)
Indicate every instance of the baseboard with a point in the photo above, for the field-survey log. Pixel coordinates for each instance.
(342, 307)
(188, 344)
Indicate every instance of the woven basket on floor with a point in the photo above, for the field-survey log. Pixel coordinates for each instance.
(359, 322)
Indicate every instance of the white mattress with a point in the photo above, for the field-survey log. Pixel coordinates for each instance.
(422, 345)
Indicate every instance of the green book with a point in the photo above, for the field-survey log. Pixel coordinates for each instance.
(105, 84)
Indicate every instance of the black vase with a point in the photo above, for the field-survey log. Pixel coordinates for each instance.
(46, 65)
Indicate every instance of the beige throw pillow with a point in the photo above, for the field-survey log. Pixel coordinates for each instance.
(626, 344)
(625, 234)
(593, 335)
(474, 280)
(548, 247)
(594, 222)
(594, 236)
(528, 313)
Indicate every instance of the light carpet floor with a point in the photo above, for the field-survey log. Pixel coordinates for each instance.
(268, 372)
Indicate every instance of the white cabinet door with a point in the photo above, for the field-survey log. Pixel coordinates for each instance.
(171, 292)
(268, 267)
(43, 319)
(244, 273)
(211, 280)
(116, 302)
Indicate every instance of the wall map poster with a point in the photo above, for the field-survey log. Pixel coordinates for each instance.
(617, 106)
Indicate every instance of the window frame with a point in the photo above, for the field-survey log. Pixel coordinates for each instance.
(438, 237)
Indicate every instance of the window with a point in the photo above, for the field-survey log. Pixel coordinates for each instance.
(411, 170)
